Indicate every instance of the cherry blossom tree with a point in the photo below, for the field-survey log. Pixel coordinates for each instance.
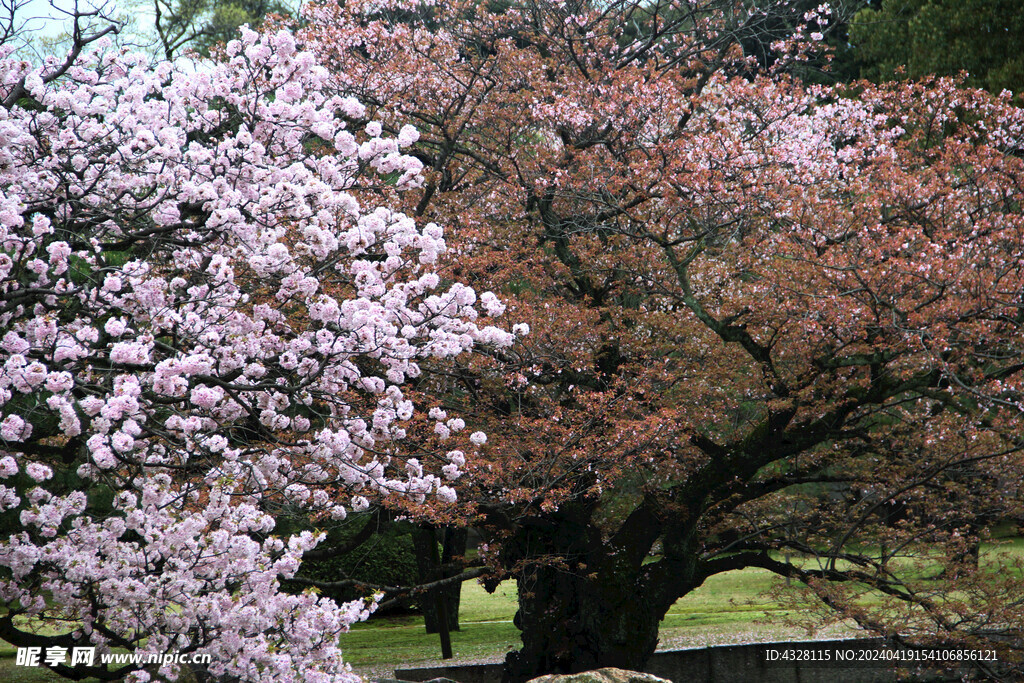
(766, 320)
(206, 320)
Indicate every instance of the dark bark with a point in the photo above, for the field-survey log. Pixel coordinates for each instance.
(453, 544)
(584, 601)
(571, 623)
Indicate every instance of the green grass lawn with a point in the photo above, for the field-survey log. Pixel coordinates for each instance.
(733, 607)
(728, 608)
(11, 673)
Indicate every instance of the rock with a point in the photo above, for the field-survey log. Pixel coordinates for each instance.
(608, 675)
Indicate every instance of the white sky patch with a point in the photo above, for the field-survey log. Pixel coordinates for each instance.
(40, 25)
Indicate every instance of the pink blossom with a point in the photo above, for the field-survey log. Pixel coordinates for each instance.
(155, 362)
(13, 343)
(121, 442)
(115, 327)
(112, 283)
(408, 135)
(491, 304)
(38, 472)
(8, 466)
(59, 382)
(206, 397)
(14, 428)
(129, 353)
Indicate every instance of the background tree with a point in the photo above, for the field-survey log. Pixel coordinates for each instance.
(202, 24)
(740, 292)
(943, 37)
(372, 553)
(203, 329)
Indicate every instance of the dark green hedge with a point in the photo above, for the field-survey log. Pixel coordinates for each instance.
(385, 558)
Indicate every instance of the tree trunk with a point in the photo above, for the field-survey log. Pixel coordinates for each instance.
(453, 544)
(570, 622)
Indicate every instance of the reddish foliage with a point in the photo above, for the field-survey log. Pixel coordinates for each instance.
(763, 316)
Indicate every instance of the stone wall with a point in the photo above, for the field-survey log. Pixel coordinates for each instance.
(756, 662)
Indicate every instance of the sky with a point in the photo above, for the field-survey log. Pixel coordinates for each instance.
(44, 19)
(41, 20)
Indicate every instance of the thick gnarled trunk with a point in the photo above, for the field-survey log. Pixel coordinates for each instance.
(587, 601)
(571, 622)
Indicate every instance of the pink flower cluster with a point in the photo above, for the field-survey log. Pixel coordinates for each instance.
(167, 242)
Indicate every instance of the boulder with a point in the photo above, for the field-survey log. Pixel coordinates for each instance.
(608, 675)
